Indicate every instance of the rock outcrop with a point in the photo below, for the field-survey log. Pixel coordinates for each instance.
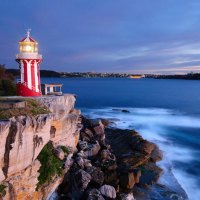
(23, 138)
(108, 164)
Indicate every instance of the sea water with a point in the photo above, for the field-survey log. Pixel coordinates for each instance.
(166, 112)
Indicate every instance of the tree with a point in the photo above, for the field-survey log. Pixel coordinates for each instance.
(7, 84)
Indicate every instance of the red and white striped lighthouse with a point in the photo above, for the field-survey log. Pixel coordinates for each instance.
(29, 60)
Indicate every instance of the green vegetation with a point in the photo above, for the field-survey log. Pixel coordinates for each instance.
(65, 150)
(36, 108)
(7, 84)
(2, 190)
(32, 108)
(50, 165)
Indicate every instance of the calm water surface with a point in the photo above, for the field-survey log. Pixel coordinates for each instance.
(166, 112)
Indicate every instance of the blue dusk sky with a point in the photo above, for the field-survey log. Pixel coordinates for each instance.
(134, 36)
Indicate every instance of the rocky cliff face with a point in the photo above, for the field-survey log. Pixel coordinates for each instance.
(23, 138)
(65, 123)
(109, 164)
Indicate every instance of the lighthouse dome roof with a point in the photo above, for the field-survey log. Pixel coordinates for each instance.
(28, 38)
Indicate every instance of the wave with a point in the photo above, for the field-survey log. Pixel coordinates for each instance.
(172, 132)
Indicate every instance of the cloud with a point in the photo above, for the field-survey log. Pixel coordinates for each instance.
(117, 36)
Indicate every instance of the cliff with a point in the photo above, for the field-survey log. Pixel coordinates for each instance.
(23, 138)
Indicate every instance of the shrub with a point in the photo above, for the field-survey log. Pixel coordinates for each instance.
(2, 190)
(50, 165)
(65, 149)
(7, 84)
(7, 88)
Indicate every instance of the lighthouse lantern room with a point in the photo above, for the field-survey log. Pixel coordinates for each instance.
(29, 60)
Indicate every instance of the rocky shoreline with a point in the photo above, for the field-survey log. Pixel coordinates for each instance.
(62, 155)
(110, 164)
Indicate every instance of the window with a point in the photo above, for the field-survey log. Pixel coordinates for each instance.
(56, 89)
(48, 89)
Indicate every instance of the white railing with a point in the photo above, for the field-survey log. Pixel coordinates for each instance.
(28, 56)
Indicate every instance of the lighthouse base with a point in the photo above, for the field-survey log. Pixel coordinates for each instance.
(24, 91)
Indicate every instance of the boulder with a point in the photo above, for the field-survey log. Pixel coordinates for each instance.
(151, 175)
(93, 150)
(105, 122)
(89, 133)
(94, 194)
(80, 180)
(105, 154)
(83, 145)
(68, 162)
(145, 146)
(108, 191)
(80, 162)
(124, 196)
(107, 146)
(108, 160)
(84, 137)
(156, 155)
(59, 153)
(127, 180)
(87, 163)
(109, 165)
(99, 130)
(112, 165)
(111, 178)
(96, 174)
(137, 175)
(125, 111)
(83, 162)
(121, 110)
(81, 154)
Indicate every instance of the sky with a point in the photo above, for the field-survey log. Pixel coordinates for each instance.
(133, 36)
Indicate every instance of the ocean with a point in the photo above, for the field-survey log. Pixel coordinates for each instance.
(166, 112)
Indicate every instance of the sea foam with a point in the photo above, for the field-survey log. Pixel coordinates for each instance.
(156, 125)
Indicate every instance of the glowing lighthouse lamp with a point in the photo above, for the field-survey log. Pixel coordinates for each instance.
(29, 60)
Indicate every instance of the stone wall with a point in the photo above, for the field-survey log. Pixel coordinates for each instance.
(13, 104)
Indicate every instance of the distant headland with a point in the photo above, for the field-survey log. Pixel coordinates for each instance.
(50, 73)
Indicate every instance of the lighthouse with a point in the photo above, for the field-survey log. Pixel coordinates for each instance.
(29, 60)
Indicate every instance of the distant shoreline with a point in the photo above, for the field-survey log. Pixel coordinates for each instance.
(50, 73)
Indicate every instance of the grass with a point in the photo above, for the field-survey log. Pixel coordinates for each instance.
(50, 165)
(32, 108)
